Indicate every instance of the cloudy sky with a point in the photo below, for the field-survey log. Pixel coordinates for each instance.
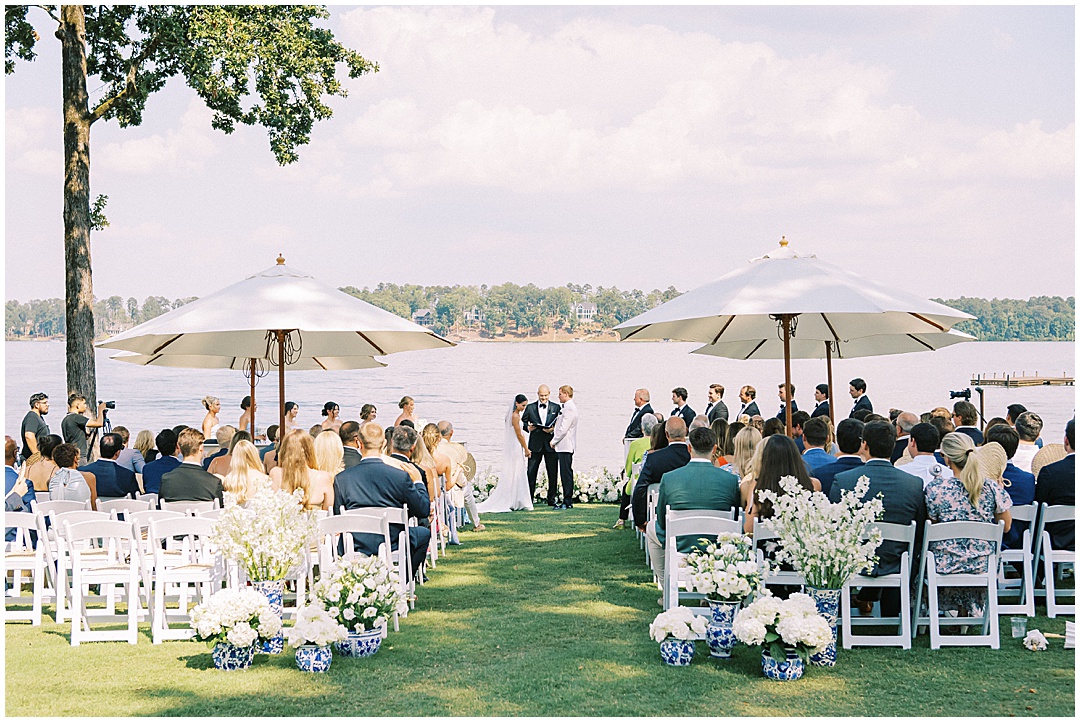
(640, 147)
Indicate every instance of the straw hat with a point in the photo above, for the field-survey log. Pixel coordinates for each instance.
(1047, 455)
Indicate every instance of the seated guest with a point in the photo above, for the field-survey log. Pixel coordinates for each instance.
(144, 444)
(771, 427)
(152, 472)
(1019, 484)
(905, 420)
(634, 455)
(350, 441)
(860, 414)
(757, 421)
(271, 436)
(967, 495)
(744, 454)
(376, 484)
(903, 500)
(245, 471)
(720, 431)
(315, 430)
(17, 493)
(701, 421)
(943, 426)
(966, 416)
(39, 472)
(224, 436)
(113, 480)
(821, 397)
(1012, 413)
(68, 483)
(993, 422)
(1028, 427)
(403, 443)
(848, 440)
(1056, 485)
(330, 452)
(815, 436)
(221, 463)
(923, 441)
(189, 481)
(798, 420)
(697, 485)
(673, 456)
(131, 459)
(779, 458)
(297, 469)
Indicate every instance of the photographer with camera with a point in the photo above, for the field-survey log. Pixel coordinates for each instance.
(75, 424)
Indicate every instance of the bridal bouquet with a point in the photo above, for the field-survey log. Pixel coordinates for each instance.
(827, 543)
(360, 593)
(782, 625)
(235, 616)
(314, 625)
(727, 570)
(268, 537)
(677, 622)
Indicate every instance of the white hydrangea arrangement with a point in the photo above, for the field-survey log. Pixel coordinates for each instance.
(361, 593)
(727, 570)
(678, 622)
(590, 487)
(782, 625)
(821, 540)
(314, 625)
(236, 616)
(270, 536)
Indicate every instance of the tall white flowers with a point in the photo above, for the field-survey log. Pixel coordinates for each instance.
(782, 625)
(236, 616)
(822, 540)
(727, 570)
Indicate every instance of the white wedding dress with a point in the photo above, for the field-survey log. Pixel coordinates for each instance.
(512, 491)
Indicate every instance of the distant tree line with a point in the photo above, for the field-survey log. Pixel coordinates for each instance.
(1039, 318)
(44, 318)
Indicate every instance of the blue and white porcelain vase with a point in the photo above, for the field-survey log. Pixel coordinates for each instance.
(274, 593)
(310, 658)
(828, 605)
(677, 652)
(719, 634)
(361, 644)
(784, 670)
(229, 657)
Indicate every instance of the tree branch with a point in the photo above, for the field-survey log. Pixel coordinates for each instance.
(49, 10)
(129, 87)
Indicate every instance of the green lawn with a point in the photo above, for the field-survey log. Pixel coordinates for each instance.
(546, 613)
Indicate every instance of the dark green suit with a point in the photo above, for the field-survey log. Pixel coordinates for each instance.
(698, 485)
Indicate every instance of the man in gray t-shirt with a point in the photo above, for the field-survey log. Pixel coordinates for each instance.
(33, 424)
(75, 424)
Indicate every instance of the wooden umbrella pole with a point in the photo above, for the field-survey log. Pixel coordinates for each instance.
(252, 407)
(281, 383)
(828, 365)
(786, 320)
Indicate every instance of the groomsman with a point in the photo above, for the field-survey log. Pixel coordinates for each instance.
(857, 389)
(565, 442)
(538, 420)
(821, 396)
(641, 407)
(786, 394)
(716, 409)
(678, 397)
(747, 394)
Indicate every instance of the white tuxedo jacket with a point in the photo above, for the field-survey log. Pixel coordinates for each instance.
(565, 437)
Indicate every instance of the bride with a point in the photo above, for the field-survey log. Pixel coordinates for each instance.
(512, 491)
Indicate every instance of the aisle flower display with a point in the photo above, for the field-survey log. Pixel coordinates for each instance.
(231, 621)
(676, 630)
(315, 630)
(787, 629)
(361, 594)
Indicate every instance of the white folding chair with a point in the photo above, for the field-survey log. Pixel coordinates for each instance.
(901, 580)
(986, 580)
(188, 507)
(40, 496)
(689, 522)
(198, 566)
(1024, 587)
(108, 571)
(19, 556)
(120, 506)
(62, 554)
(762, 533)
(211, 514)
(150, 497)
(635, 472)
(59, 506)
(401, 559)
(652, 497)
(1052, 558)
(140, 531)
(338, 530)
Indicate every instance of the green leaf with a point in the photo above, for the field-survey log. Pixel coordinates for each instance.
(778, 651)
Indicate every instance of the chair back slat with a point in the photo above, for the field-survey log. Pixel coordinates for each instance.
(96, 529)
(699, 523)
(59, 506)
(121, 506)
(964, 530)
(75, 517)
(1058, 512)
(188, 507)
(1027, 512)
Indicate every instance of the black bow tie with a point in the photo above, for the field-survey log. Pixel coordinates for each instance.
(543, 406)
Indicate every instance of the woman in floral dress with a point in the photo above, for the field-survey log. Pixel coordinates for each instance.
(970, 494)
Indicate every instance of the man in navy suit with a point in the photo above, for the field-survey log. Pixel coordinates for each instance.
(373, 482)
(673, 456)
(641, 407)
(1056, 484)
(815, 434)
(747, 394)
(905, 422)
(787, 395)
(857, 389)
(849, 439)
(152, 472)
(538, 419)
(965, 416)
(679, 395)
(821, 396)
(113, 481)
(1020, 484)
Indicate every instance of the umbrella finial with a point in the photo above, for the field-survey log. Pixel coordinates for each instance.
(783, 242)
(280, 260)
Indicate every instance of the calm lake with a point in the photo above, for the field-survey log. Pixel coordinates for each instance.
(473, 385)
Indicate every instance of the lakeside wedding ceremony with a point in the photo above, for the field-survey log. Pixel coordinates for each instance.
(540, 361)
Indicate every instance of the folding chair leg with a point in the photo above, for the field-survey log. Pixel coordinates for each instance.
(133, 608)
(1048, 575)
(158, 622)
(935, 629)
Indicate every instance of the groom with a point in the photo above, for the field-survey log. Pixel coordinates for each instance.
(539, 420)
(565, 442)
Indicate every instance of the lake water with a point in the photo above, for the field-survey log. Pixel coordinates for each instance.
(473, 385)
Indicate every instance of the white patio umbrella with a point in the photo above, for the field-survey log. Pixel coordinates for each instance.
(236, 363)
(784, 295)
(282, 317)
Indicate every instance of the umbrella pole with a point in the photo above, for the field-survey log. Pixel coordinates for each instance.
(786, 320)
(828, 365)
(252, 407)
(281, 383)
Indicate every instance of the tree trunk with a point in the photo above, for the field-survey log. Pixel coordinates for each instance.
(81, 374)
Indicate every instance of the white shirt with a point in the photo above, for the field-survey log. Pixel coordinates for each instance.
(565, 438)
(1023, 456)
(926, 467)
(542, 411)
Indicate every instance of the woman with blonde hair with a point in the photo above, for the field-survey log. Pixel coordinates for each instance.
(329, 453)
(245, 471)
(744, 455)
(968, 494)
(144, 444)
(431, 437)
(296, 469)
(210, 422)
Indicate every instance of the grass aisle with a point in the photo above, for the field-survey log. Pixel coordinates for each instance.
(544, 614)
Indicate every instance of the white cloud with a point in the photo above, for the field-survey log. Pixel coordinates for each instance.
(33, 139)
(183, 148)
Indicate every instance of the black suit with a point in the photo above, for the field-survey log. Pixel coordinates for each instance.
(821, 409)
(782, 413)
(540, 446)
(716, 411)
(351, 458)
(827, 472)
(210, 459)
(113, 481)
(633, 430)
(974, 433)
(686, 413)
(1056, 484)
(863, 402)
(750, 410)
(190, 482)
(657, 463)
(375, 483)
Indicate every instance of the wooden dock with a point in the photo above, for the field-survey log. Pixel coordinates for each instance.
(1021, 380)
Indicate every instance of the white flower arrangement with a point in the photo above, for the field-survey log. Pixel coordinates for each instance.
(314, 625)
(270, 536)
(360, 593)
(678, 622)
(782, 625)
(821, 540)
(590, 487)
(236, 616)
(727, 570)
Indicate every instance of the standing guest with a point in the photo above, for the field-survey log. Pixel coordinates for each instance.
(331, 411)
(210, 422)
(857, 389)
(367, 413)
(815, 436)
(17, 493)
(131, 459)
(75, 424)
(224, 437)
(329, 453)
(720, 431)
(848, 440)
(821, 399)
(113, 481)
(642, 408)
(965, 416)
(564, 441)
(245, 471)
(350, 442)
(152, 472)
(144, 444)
(408, 411)
(679, 395)
(716, 409)
(1012, 413)
(923, 443)
(675, 455)
(779, 458)
(1056, 485)
(223, 462)
(271, 436)
(39, 472)
(190, 481)
(291, 410)
(68, 483)
(1029, 426)
(297, 470)
(639, 447)
(33, 425)
(787, 395)
(749, 407)
(1019, 484)
(905, 421)
(538, 420)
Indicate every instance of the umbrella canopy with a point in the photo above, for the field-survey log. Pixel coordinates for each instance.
(773, 348)
(308, 363)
